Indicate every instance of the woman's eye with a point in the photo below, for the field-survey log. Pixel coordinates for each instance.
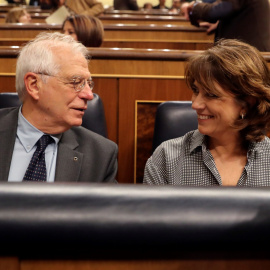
(195, 90)
(209, 95)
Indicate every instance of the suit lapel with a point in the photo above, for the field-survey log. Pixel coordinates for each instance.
(8, 131)
(69, 161)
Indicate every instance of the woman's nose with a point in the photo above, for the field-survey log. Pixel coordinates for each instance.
(197, 102)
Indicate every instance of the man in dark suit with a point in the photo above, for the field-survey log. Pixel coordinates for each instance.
(247, 20)
(54, 85)
(125, 5)
(161, 5)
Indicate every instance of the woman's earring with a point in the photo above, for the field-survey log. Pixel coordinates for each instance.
(242, 116)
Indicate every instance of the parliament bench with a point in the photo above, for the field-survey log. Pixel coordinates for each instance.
(114, 31)
(143, 19)
(100, 226)
(129, 43)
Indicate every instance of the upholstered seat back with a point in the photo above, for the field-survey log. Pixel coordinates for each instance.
(173, 119)
(93, 119)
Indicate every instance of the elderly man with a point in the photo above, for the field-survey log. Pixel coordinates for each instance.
(43, 140)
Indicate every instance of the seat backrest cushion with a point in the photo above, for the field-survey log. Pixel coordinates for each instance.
(173, 119)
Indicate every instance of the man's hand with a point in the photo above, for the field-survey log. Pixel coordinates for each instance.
(210, 27)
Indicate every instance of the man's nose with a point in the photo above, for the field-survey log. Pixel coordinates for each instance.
(86, 93)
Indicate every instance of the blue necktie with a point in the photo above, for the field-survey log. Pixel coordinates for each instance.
(36, 170)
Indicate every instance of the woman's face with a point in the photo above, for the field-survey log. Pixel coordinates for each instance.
(68, 29)
(25, 18)
(216, 114)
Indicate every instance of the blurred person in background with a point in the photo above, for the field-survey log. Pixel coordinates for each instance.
(18, 15)
(125, 5)
(147, 6)
(86, 29)
(176, 5)
(85, 7)
(161, 5)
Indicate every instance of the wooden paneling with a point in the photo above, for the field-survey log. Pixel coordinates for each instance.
(120, 61)
(135, 44)
(147, 264)
(143, 19)
(155, 32)
(9, 263)
(131, 90)
(115, 31)
(13, 30)
(107, 89)
(153, 44)
(145, 112)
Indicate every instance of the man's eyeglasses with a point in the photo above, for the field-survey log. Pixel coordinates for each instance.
(77, 82)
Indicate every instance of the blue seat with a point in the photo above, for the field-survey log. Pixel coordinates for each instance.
(173, 119)
(93, 119)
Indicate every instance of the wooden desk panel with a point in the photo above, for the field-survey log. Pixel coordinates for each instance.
(135, 44)
(14, 30)
(155, 32)
(156, 44)
(119, 62)
(143, 19)
(114, 31)
(191, 264)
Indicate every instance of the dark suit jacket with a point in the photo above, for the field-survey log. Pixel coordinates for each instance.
(247, 20)
(125, 5)
(83, 156)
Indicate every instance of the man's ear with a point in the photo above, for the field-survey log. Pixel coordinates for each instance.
(32, 84)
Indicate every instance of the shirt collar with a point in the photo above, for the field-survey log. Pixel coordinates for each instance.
(28, 135)
(197, 140)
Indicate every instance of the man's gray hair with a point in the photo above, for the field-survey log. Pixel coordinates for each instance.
(38, 56)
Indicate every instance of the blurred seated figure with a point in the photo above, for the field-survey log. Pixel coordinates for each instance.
(19, 2)
(175, 9)
(86, 29)
(34, 2)
(125, 5)
(18, 15)
(147, 5)
(161, 5)
(85, 7)
(231, 96)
